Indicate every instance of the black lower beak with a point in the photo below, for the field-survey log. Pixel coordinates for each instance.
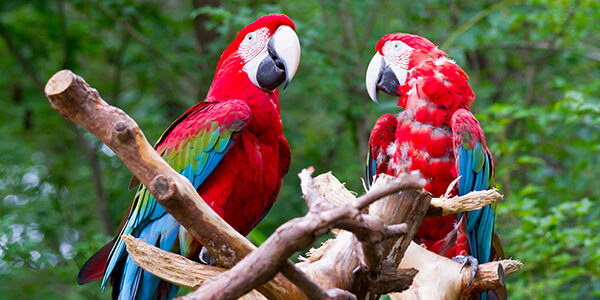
(271, 71)
(388, 82)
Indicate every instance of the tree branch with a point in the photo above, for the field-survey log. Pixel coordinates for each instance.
(437, 277)
(71, 96)
(377, 227)
(173, 268)
(295, 235)
(472, 201)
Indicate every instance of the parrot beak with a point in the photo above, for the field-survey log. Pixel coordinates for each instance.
(281, 63)
(383, 77)
(373, 74)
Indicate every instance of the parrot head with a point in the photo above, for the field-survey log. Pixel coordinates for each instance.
(264, 55)
(397, 53)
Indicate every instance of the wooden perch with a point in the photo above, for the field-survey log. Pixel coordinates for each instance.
(447, 205)
(73, 98)
(174, 268)
(438, 277)
(471, 201)
(371, 254)
(300, 233)
(447, 284)
(78, 102)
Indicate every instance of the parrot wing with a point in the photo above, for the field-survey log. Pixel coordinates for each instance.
(381, 146)
(475, 167)
(193, 145)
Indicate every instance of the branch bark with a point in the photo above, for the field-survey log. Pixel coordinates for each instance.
(472, 201)
(299, 233)
(73, 98)
(373, 254)
(174, 268)
(437, 278)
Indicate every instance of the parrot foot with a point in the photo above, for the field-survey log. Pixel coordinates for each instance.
(207, 258)
(468, 260)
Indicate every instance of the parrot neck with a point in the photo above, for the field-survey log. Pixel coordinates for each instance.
(435, 90)
(230, 82)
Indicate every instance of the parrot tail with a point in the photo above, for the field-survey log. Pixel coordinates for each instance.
(94, 267)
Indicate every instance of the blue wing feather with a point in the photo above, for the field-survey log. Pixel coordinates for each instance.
(371, 168)
(151, 223)
(474, 169)
(479, 223)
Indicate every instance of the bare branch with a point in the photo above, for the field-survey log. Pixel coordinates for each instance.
(70, 95)
(169, 266)
(174, 268)
(450, 282)
(471, 201)
(438, 277)
(379, 241)
(412, 180)
(293, 236)
(312, 197)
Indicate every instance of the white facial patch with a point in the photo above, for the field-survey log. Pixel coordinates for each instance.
(253, 44)
(397, 54)
(253, 49)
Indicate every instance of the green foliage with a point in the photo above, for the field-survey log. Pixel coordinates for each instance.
(533, 64)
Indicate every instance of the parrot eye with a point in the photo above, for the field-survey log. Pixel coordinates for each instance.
(250, 39)
(396, 48)
(253, 43)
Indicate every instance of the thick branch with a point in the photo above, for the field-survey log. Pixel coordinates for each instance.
(378, 241)
(437, 277)
(368, 245)
(293, 236)
(70, 95)
(172, 267)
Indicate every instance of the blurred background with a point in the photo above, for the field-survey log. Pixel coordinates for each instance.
(534, 65)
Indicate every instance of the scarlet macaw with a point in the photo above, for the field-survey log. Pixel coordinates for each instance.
(230, 146)
(437, 134)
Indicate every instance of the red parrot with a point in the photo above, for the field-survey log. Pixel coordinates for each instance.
(230, 146)
(437, 134)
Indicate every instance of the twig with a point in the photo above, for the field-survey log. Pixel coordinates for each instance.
(473, 20)
(471, 201)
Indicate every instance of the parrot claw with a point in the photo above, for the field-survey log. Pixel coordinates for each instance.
(468, 260)
(207, 258)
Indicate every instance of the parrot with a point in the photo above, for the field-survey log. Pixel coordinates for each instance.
(230, 146)
(436, 134)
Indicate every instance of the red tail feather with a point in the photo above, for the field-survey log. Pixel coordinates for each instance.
(94, 267)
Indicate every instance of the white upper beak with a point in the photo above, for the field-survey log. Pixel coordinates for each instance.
(286, 44)
(373, 73)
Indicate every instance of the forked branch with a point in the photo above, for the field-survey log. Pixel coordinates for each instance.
(73, 98)
(371, 254)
